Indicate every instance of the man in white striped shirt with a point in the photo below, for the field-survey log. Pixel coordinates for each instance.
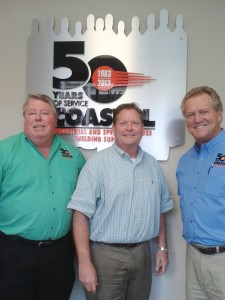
(119, 206)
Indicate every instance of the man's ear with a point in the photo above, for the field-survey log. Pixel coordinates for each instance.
(220, 116)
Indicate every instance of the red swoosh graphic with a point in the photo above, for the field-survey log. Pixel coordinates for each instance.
(105, 78)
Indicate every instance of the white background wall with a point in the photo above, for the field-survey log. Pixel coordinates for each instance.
(204, 23)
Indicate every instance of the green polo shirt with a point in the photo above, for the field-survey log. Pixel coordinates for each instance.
(35, 191)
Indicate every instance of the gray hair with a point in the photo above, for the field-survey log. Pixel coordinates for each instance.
(43, 98)
(216, 101)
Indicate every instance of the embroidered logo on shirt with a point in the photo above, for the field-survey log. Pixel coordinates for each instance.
(220, 160)
(66, 153)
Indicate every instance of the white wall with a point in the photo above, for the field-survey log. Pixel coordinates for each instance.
(204, 23)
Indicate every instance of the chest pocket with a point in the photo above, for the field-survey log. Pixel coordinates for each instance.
(215, 183)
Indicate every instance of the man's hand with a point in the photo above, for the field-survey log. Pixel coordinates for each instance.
(161, 262)
(88, 277)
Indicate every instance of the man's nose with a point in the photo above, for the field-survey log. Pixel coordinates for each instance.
(37, 116)
(129, 126)
(197, 117)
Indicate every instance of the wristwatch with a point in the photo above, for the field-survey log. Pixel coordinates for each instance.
(166, 249)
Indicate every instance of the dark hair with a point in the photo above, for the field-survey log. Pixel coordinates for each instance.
(216, 101)
(121, 107)
(43, 98)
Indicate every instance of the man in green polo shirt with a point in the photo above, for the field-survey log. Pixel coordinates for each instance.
(38, 174)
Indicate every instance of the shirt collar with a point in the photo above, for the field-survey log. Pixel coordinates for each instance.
(212, 144)
(121, 152)
(55, 143)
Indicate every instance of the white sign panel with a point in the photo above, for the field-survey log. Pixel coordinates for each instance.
(89, 74)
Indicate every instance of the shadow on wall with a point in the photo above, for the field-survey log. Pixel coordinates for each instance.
(77, 292)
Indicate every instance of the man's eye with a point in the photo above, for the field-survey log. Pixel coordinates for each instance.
(188, 116)
(205, 112)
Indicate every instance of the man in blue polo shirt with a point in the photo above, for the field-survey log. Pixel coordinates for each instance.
(201, 186)
(38, 173)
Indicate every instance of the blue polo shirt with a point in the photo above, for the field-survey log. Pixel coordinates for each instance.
(201, 187)
(35, 191)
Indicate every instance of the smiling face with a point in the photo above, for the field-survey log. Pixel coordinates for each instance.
(202, 120)
(128, 131)
(39, 122)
